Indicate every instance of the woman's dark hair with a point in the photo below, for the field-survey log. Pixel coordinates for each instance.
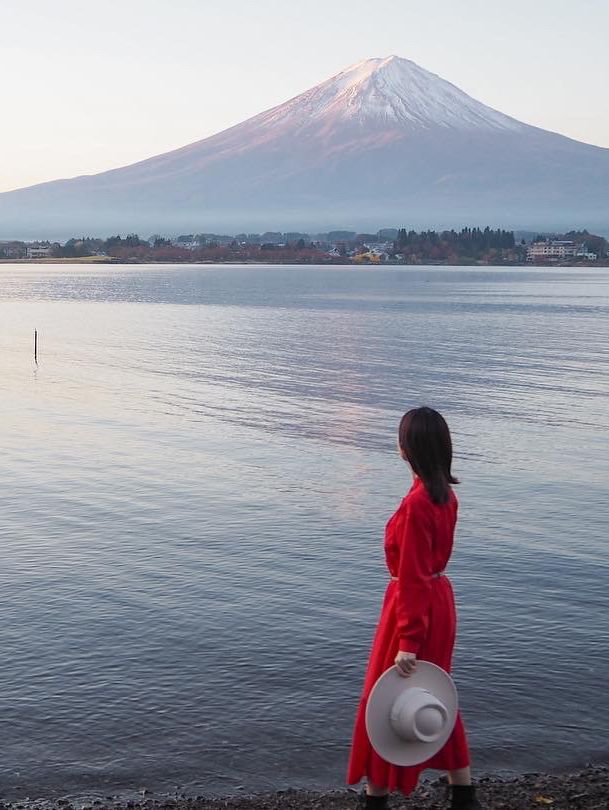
(424, 439)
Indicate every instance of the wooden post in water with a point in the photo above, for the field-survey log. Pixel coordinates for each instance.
(36, 346)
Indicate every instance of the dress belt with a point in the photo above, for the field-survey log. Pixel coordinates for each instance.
(435, 576)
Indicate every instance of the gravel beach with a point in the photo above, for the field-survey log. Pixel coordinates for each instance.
(587, 789)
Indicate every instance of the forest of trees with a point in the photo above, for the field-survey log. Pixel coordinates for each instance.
(468, 243)
(89, 246)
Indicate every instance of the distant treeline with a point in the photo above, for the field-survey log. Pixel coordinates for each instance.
(470, 245)
(465, 239)
(425, 246)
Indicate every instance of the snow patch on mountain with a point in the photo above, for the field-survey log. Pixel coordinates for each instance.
(391, 91)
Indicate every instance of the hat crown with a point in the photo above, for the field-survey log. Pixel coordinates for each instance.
(418, 716)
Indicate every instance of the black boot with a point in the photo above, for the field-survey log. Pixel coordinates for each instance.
(375, 802)
(463, 797)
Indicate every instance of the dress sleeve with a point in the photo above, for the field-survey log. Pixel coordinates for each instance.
(414, 578)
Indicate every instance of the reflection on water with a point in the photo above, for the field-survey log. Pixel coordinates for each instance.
(195, 482)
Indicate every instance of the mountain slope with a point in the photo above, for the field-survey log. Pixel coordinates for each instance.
(383, 142)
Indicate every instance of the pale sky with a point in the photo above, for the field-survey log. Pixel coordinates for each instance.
(91, 85)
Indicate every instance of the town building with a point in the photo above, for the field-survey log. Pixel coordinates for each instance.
(186, 240)
(38, 251)
(556, 249)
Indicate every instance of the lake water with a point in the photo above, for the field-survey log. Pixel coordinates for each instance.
(194, 485)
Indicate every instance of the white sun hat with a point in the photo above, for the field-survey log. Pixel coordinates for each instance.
(410, 719)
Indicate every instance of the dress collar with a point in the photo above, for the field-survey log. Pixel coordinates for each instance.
(417, 482)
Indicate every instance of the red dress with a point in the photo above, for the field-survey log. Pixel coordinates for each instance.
(418, 616)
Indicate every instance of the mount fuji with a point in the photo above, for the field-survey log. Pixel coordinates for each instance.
(384, 142)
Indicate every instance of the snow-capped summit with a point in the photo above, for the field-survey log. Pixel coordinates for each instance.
(393, 91)
(383, 142)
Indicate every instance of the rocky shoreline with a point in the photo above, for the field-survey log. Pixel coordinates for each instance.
(587, 789)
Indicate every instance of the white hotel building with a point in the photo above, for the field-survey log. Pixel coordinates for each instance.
(558, 249)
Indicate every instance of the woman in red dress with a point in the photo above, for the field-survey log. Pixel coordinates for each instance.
(418, 618)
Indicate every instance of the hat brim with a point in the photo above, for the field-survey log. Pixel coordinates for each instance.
(390, 686)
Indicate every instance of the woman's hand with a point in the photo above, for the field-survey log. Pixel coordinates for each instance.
(405, 663)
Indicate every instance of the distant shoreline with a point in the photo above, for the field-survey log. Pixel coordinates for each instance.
(75, 260)
(469, 247)
(109, 260)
